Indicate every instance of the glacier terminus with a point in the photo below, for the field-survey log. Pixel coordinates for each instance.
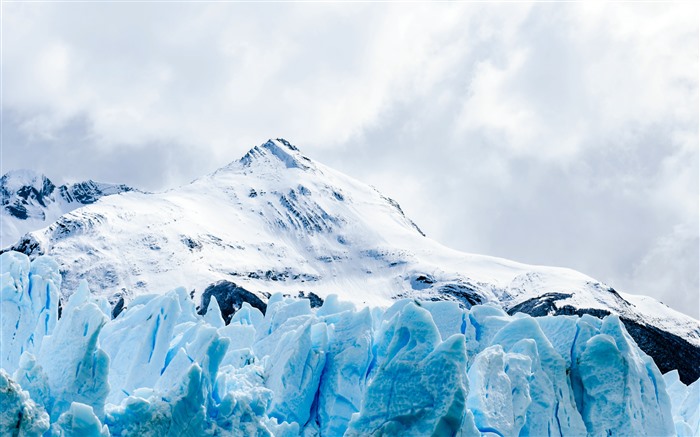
(414, 368)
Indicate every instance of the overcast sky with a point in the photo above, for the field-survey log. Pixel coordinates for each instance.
(558, 134)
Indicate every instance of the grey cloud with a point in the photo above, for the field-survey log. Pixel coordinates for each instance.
(73, 155)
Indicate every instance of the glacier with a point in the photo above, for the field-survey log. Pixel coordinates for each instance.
(412, 368)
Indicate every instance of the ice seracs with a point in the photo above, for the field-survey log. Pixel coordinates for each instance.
(26, 316)
(684, 401)
(413, 368)
(416, 382)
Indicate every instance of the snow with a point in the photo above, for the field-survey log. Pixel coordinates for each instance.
(413, 368)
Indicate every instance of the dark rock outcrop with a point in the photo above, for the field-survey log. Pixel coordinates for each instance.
(314, 300)
(230, 298)
(118, 307)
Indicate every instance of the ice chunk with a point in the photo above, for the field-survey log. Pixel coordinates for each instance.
(248, 315)
(243, 401)
(541, 418)
(519, 370)
(685, 404)
(279, 310)
(266, 344)
(80, 375)
(283, 429)
(182, 412)
(347, 360)
(624, 391)
(28, 305)
(30, 375)
(137, 344)
(213, 314)
(19, 414)
(487, 320)
(586, 327)
(294, 373)
(79, 421)
(603, 370)
(202, 345)
(566, 419)
(333, 306)
(420, 386)
(448, 317)
(690, 408)
(561, 333)
(240, 336)
(491, 394)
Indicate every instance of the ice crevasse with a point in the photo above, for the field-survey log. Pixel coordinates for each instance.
(415, 368)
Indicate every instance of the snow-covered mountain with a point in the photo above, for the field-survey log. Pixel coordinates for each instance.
(277, 221)
(30, 201)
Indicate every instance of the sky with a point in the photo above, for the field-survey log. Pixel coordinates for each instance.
(555, 134)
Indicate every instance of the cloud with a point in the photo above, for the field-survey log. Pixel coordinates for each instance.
(562, 134)
(670, 268)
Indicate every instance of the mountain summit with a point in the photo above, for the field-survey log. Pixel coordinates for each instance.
(274, 152)
(277, 221)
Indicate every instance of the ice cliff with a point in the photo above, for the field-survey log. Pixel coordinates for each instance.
(414, 368)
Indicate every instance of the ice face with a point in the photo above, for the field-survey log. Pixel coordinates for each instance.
(415, 368)
(28, 305)
(138, 344)
(419, 386)
(621, 382)
(347, 361)
(565, 419)
(76, 377)
(684, 404)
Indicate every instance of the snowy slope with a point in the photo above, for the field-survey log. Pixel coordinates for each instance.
(414, 369)
(30, 201)
(276, 221)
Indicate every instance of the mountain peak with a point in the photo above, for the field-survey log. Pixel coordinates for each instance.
(15, 180)
(29, 198)
(276, 152)
(21, 188)
(286, 143)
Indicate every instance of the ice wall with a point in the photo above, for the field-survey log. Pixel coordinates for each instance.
(416, 368)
